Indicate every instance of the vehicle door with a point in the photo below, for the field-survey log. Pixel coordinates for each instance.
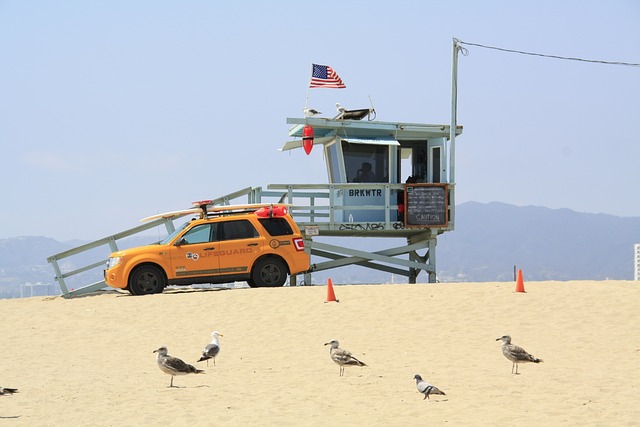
(238, 245)
(193, 254)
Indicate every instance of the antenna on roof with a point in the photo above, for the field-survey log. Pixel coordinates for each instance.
(372, 111)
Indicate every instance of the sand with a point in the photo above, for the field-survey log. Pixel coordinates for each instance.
(90, 360)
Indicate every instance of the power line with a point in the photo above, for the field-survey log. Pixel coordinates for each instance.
(568, 58)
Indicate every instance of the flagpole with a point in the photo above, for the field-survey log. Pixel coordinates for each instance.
(454, 112)
(452, 130)
(306, 102)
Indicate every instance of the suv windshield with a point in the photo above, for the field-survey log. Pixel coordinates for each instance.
(174, 234)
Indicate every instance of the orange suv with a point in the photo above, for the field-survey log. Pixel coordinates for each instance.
(259, 244)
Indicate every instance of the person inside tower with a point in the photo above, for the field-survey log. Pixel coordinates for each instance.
(365, 174)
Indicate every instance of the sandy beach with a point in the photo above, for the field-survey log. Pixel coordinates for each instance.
(90, 360)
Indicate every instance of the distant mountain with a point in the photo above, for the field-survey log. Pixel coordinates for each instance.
(26, 251)
(489, 240)
(25, 271)
(547, 244)
(23, 261)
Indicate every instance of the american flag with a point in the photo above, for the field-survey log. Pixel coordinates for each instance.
(324, 76)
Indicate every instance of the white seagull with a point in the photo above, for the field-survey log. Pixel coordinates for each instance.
(309, 112)
(426, 388)
(173, 366)
(4, 391)
(340, 108)
(342, 357)
(515, 354)
(212, 349)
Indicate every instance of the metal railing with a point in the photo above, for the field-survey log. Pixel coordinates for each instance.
(110, 244)
(319, 206)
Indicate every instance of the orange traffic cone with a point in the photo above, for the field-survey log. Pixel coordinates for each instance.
(331, 296)
(520, 282)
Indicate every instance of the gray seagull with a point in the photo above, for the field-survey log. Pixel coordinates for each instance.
(310, 112)
(212, 349)
(426, 388)
(4, 391)
(515, 354)
(342, 357)
(172, 365)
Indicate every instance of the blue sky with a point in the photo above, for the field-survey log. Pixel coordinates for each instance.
(113, 111)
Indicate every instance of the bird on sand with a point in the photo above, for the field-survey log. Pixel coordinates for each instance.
(310, 112)
(173, 366)
(342, 357)
(515, 354)
(426, 388)
(5, 391)
(212, 349)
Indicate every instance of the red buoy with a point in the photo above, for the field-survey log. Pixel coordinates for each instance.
(307, 138)
(272, 211)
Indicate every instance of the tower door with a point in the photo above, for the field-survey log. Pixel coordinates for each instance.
(436, 171)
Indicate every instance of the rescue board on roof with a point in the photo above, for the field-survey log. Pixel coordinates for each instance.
(172, 214)
(211, 210)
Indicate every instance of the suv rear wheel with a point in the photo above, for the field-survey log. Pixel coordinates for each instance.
(146, 280)
(269, 272)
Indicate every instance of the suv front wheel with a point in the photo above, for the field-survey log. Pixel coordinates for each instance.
(268, 272)
(146, 280)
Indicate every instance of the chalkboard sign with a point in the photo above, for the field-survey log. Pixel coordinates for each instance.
(426, 205)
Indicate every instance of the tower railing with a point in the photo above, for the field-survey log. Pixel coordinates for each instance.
(316, 208)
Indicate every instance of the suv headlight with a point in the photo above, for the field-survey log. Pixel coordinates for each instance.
(113, 261)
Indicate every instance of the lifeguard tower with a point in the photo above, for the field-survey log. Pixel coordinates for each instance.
(385, 180)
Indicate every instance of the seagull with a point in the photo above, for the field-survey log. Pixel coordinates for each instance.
(340, 108)
(212, 349)
(342, 357)
(309, 112)
(515, 354)
(172, 365)
(4, 391)
(426, 388)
